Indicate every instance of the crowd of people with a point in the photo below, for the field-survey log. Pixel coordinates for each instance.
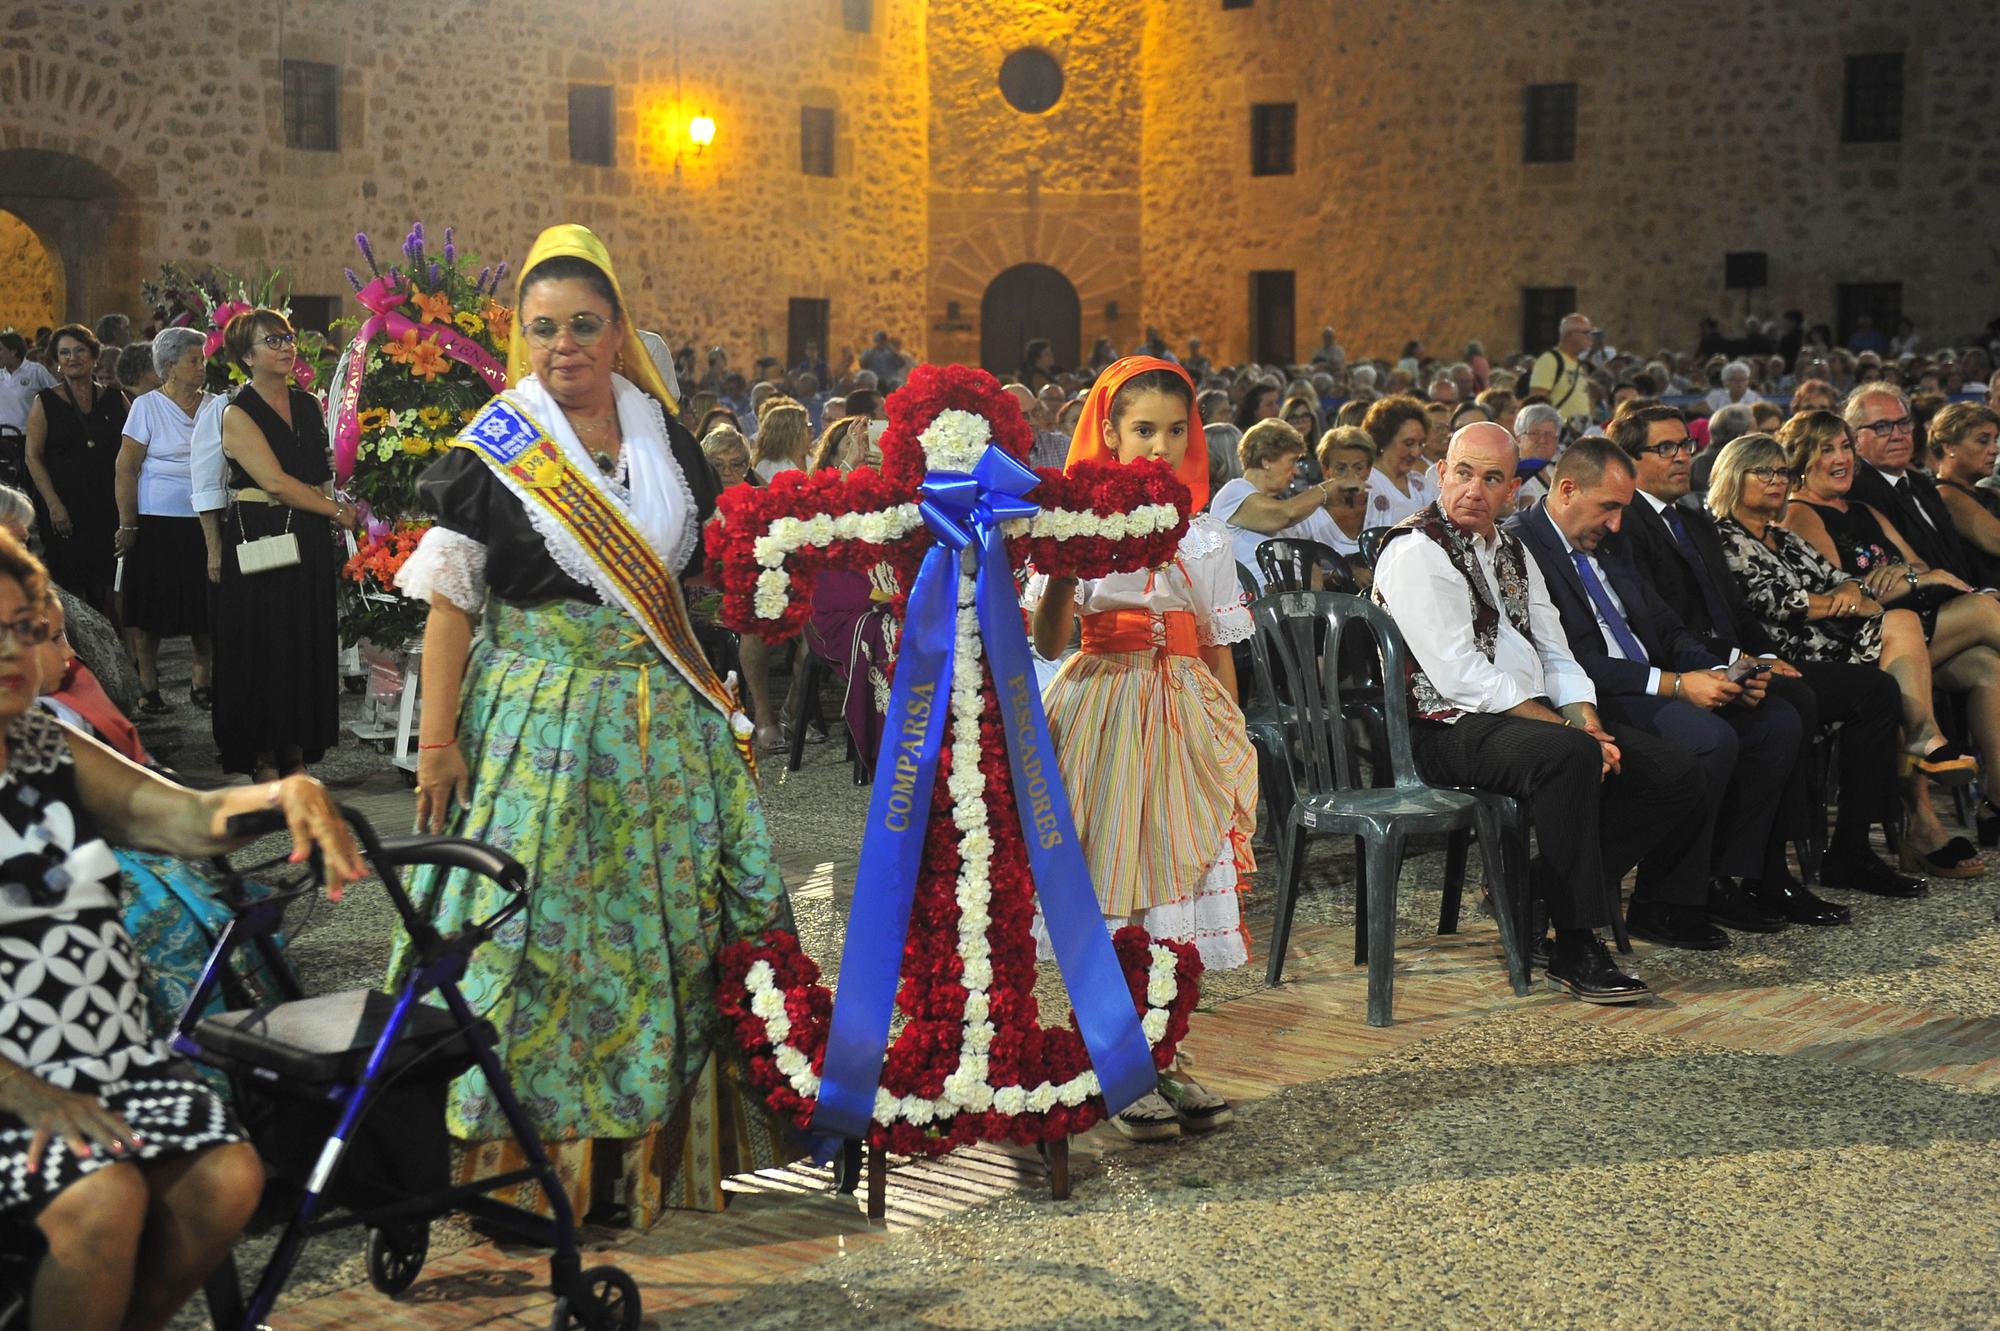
(1647, 595)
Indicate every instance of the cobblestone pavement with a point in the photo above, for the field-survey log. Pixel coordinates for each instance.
(1800, 1131)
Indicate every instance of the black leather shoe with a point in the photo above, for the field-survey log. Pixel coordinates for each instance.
(1866, 873)
(1795, 903)
(1582, 965)
(1674, 926)
(1730, 906)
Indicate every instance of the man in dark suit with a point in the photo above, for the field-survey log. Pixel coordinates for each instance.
(1653, 674)
(1888, 482)
(1673, 542)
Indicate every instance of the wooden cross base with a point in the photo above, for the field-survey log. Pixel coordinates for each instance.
(847, 1173)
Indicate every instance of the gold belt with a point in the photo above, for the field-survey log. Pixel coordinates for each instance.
(251, 495)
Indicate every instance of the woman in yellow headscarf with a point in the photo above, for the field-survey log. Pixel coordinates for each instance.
(579, 729)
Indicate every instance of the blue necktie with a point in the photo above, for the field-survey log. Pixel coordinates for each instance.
(1718, 612)
(1628, 643)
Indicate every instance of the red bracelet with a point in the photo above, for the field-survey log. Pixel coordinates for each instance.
(447, 744)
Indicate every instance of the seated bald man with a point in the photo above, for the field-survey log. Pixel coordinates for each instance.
(1501, 704)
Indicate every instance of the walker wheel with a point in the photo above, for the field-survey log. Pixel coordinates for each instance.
(396, 1255)
(602, 1298)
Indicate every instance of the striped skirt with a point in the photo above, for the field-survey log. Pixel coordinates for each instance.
(1163, 785)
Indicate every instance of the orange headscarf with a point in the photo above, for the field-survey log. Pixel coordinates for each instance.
(1087, 444)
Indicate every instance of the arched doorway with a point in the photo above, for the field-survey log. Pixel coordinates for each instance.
(75, 212)
(31, 278)
(1027, 301)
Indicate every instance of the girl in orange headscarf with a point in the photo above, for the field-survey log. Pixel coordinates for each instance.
(1152, 745)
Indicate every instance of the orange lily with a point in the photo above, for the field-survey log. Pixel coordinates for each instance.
(429, 361)
(499, 321)
(435, 306)
(402, 350)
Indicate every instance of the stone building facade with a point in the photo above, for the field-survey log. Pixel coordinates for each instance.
(134, 134)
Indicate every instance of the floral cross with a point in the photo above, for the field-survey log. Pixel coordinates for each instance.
(973, 1061)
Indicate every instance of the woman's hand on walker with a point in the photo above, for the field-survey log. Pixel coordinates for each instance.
(442, 777)
(316, 824)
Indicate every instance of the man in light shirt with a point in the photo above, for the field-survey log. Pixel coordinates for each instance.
(1560, 371)
(1503, 706)
(20, 380)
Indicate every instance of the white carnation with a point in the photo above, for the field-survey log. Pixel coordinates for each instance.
(793, 1063)
(771, 598)
(1010, 1100)
(759, 976)
(1042, 1099)
(977, 1007)
(767, 1003)
(918, 1110)
(886, 1106)
(979, 1036)
(1154, 1024)
(955, 440)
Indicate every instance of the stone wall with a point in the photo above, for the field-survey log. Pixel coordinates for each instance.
(456, 112)
(30, 293)
(1703, 127)
(1052, 188)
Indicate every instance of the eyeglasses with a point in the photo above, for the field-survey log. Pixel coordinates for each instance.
(1901, 425)
(1668, 450)
(279, 341)
(27, 631)
(584, 328)
(1768, 475)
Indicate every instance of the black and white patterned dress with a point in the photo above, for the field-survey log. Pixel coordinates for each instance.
(71, 1007)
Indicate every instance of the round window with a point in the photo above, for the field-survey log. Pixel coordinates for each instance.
(1031, 80)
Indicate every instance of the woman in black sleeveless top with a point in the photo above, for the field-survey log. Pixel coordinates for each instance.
(73, 442)
(277, 684)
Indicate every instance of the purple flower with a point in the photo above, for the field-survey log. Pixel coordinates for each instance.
(484, 273)
(499, 274)
(353, 278)
(450, 250)
(367, 251)
(437, 275)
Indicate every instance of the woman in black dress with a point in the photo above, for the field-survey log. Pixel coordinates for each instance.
(277, 683)
(73, 440)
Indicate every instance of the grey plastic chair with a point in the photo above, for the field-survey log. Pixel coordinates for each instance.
(1370, 540)
(1329, 798)
(1262, 719)
(1287, 564)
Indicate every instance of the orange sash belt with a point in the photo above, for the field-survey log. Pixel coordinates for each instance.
(1172, 633)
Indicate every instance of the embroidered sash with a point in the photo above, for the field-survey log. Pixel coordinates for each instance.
(534, 467)
(1511, 567)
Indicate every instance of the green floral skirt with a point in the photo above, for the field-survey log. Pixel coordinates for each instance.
(620, 790)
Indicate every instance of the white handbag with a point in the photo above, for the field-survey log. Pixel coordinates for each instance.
(266, 553)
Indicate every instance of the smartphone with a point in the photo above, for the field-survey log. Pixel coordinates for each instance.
(1747, 667)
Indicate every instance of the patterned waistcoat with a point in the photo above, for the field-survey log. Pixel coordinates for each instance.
(1511, 563)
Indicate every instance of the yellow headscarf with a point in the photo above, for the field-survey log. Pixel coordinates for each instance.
(570, 241)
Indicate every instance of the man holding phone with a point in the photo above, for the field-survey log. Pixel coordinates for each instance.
(1654, 675)
(1675, 546)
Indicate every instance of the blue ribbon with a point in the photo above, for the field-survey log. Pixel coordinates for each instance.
(965, 510)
